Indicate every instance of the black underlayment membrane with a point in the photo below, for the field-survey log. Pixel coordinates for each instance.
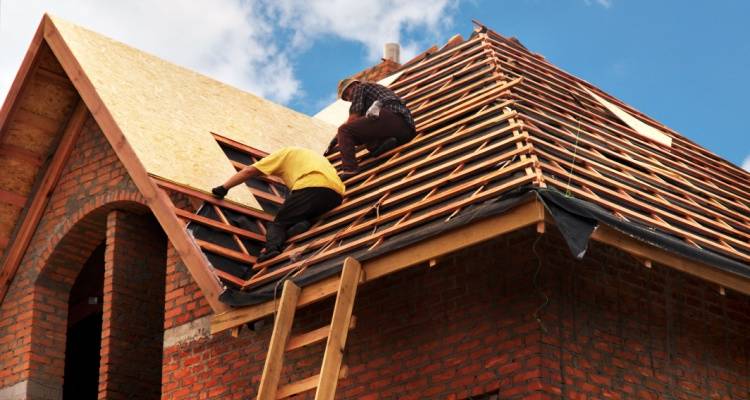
(576, 219)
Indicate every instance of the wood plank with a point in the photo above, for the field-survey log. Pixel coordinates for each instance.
(342, 314)
(676, 212)
(526, 214)
(211, 199)
(157, 200)
(645, 165)
(28, 118)
(223, 251)
(612, 237)
(657, 222)
(41, 196)
(304, 385)
(239, 146)
(423, 218)
(19, 153)
(218, 225)
(269, 380)
(314, 336)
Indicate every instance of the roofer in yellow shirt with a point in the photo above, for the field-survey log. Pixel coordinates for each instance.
(315, 189)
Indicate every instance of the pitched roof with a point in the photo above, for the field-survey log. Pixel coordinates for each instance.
(167, 112)
(157, 116)
(493, 117)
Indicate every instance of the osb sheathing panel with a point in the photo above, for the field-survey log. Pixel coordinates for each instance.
(48, 98)
(29, 137)
(17, 176)
(167, 113)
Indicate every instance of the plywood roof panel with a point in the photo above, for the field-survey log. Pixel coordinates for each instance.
(167, 113)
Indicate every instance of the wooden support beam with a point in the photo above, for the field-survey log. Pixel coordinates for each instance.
(218, 225)
(269, 381)
(211, 199)
(41, 196)
(523, 215)
(223, 251)
(342, 314)
(612, 237)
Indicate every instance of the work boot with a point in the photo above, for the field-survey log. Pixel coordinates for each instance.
(298, 228)
(387, 145)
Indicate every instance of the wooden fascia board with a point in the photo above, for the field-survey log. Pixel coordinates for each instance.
(156, 199)
(526, 214)
(28, 225)
(642, 250)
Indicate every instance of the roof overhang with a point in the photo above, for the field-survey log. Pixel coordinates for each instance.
(531, 212)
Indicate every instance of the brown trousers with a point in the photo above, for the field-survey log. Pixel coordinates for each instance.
(371, 132)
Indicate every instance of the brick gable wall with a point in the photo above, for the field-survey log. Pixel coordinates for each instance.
(33, 316)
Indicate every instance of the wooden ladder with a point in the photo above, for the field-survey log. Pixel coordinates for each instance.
(336, 332)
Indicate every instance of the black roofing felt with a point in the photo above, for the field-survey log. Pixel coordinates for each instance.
(576, 219)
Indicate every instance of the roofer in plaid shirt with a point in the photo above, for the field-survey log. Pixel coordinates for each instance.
(378, 119)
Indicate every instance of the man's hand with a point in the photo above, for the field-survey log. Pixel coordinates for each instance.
(220, 191)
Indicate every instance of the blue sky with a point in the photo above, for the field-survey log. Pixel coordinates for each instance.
(686, 66)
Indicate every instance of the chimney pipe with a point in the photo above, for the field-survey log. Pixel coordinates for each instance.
(391, 51)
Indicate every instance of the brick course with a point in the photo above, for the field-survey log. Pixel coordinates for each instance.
(132, 331)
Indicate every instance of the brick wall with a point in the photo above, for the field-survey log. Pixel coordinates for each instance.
(493, 318)
(34, 312)
(132, 330)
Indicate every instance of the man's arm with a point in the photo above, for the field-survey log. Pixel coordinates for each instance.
(236, 179)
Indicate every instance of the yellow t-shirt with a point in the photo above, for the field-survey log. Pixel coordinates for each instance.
(301, 168)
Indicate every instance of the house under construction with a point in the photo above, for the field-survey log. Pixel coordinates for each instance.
(538, 239)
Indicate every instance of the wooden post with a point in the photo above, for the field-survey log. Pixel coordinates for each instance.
(342, 313)
(269, 381)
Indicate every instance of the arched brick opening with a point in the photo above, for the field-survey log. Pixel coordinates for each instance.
(133, 298)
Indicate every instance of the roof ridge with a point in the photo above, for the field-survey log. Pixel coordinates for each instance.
(501, 79)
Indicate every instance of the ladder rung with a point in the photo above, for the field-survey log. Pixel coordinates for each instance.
(306, 384)
(320, 334)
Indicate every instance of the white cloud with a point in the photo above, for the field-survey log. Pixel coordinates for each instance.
(746, 164)
(603, 3)
(235, 41)
(371, 23)
(224, 39)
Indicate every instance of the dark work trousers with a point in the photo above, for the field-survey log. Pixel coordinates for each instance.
(302, 205)
(371, 132)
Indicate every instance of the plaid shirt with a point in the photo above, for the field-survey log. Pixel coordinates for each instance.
(366, 93)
